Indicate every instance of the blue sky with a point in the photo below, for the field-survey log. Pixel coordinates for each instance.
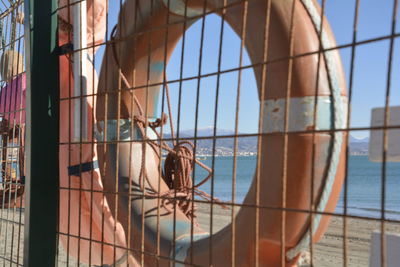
(371, 62)
(370, 72)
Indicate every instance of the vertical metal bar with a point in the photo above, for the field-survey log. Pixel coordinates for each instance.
(178, 120)
(80, 70)
(7, 172)
(314, 144)
(350, 96)
(150, 48)
(18, 136)
(132, 126)
(117, 165)
(286, 136)
(93, 90)
(196, 119)
(385, 134)
(105, 137)
(70, 136)
(244, 5)
(41, 212)
(10, 142)
(165, 96)
(215, 133)
(262, 94)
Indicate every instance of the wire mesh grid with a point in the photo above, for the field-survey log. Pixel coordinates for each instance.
(12, 116)
(145, 179)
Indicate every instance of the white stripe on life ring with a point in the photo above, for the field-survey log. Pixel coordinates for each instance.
(178, 7)
(125, 131)
(301, 114)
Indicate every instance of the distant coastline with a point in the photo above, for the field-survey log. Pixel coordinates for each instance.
(218, 153)
(358, 153)
(246, 145)
(358, 149)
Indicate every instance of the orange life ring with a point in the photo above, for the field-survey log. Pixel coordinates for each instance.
(142, 46)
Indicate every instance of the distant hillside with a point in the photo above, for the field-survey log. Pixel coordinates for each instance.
(358, 146)
(249, 144)
(352, 139)
(223, 145)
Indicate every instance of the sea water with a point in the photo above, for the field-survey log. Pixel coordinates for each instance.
(364, 189)
(364, 184)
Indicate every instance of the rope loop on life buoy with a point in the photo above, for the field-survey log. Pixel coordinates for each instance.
(179, 163)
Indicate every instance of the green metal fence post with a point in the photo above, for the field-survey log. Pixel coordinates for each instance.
(42, 122)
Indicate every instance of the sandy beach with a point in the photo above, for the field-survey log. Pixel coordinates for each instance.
(326, 253)
(12, 238)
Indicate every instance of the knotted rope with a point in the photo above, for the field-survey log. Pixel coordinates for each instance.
(179, 163)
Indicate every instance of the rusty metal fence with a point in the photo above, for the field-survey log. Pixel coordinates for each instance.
(218, 132)
(12, 113)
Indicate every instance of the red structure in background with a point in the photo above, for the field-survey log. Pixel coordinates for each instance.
(12, 110)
